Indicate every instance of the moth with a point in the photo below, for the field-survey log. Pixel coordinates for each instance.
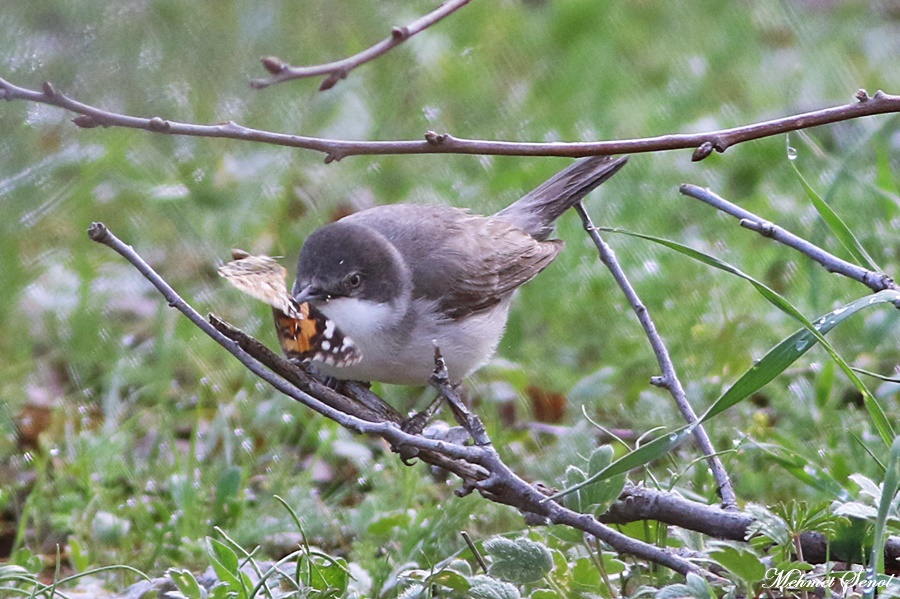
(304, 332)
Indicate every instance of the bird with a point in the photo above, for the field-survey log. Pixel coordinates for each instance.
(402, 279)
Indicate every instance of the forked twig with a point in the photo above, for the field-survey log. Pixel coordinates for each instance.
(339, 69)
(440, 380)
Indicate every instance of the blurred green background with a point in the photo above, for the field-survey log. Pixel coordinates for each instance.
(146, 419)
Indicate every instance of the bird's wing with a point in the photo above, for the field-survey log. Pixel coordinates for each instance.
(493, 258)
(463, 262)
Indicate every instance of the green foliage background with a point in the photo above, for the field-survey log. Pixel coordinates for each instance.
(156, 424)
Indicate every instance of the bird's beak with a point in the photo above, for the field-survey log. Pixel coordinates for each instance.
(310, 293)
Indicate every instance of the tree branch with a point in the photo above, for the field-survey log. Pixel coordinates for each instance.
(640, 503)
(479, 466)
(434, 143)
(339, 69)
(876, 281)
(669, 379)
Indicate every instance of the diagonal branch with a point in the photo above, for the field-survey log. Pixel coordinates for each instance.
(339, 69)
(434, 143)
(479, 466)
(876, 281)
(669, 379)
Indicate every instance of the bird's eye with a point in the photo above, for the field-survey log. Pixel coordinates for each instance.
(354, 280)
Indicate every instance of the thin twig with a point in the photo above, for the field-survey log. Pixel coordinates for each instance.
(335, 149)
(474, 550)
(876, 281)
(669, 379)
(480, 466)
(339, 69)
(440, 380)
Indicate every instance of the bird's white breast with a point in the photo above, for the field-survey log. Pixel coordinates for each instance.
(397, 345)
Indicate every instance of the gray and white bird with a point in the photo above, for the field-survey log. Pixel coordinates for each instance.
(399, 279)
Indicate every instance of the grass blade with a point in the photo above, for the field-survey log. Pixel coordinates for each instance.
(636, 458)
(837, 226)
(805, 470)
(790, 349)
(771, 295)
(888, 491)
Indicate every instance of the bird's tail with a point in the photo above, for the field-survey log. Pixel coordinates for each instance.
(536, 212)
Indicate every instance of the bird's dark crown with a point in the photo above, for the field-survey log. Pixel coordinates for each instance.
(347, 260)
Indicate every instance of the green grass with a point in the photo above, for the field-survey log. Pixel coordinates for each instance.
(156, 437)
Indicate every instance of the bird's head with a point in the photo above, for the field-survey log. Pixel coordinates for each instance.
(343, 260)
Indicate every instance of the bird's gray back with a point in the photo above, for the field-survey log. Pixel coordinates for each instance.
(465, 262)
